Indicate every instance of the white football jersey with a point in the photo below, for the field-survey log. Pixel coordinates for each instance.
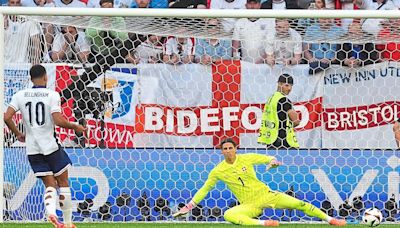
(37, 106)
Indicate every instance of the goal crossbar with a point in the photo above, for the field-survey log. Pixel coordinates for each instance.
(192, 13)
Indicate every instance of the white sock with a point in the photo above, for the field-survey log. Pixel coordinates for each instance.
(65, 204)
(50, 200)
(328, 218)
(261, 222)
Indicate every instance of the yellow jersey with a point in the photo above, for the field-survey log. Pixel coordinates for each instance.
(240, 177)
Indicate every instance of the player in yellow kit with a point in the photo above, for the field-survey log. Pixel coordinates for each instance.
(237, 172)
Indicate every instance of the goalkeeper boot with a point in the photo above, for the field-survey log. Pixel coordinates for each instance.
(53, 220)
(70, 226)
(271, 223)
(337, 222)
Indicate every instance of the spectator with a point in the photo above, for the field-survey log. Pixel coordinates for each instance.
(305, 22)
(228, 23)
(249, 35)
(318, 4)
(357, 53)
(48, 29)
(279, 118)
(104, 41)
(280, 4)
(69, 3)
(179, 50)
(211, 50)
(149, 4)
(51, 31)
(228, 4)
(390, 50)
(197, 4)
(22, 38)
(375, 4)
(149, 51)
(37, 3)
(345, 5)
(93, 3)
(321, 55)
(117, 3)
(373, 26)
(283, 45)
(70, 45)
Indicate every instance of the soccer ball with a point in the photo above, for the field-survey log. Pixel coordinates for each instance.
(372, 217)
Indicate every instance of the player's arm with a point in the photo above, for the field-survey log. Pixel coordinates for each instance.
(199, 196)
(58, 118)
(11, 125)
(257, 159)
(60, 121)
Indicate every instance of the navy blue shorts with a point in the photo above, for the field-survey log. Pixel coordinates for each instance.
(53, 164)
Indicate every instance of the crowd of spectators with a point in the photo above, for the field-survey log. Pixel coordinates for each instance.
(260, 41)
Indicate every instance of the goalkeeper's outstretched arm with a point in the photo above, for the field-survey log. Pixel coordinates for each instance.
(199, 196)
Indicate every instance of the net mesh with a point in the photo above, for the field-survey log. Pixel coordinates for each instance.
(158, 94)
(199, 28)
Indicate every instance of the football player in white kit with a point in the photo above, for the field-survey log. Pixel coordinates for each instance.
(41, 112)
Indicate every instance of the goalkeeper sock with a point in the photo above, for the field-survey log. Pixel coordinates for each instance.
(50, 200)
(65, 204)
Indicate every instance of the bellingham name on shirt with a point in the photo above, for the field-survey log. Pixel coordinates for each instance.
(36, 94)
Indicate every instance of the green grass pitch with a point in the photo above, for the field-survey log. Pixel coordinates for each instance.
(177, 225)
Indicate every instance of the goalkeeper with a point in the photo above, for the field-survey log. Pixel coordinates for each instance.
(237, 172)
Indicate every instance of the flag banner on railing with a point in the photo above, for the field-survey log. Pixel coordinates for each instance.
(193, 105)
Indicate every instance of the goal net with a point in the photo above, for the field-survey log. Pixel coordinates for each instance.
(158, 95)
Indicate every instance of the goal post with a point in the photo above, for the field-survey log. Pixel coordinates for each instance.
(156, 110)
(2, 117)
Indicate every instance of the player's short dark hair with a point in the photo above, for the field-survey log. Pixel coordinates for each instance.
(228, 140)
(37, 71)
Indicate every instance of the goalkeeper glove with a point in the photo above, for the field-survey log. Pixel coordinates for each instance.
(274, 163)
(184, 210)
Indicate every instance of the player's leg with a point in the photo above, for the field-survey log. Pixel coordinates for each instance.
(50, 195)
(245, 214)
(43, 171)
(60, 162)
(65, 198)
(288, 202)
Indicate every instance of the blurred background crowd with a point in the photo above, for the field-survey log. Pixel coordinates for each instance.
(260, 41)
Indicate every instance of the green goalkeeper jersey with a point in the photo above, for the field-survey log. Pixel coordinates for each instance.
(240, 177)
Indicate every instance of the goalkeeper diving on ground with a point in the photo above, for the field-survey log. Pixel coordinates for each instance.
(237, 172)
